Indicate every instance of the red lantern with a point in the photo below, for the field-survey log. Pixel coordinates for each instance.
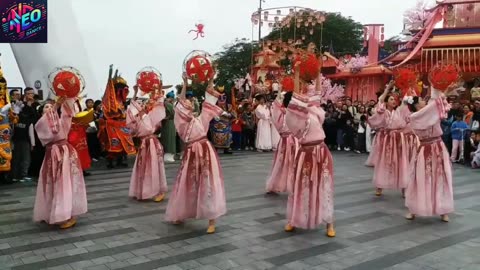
(309, 66)
(405, 79)
(198, 67)
(66, 84)
(149, 79)
(442, 76)
(288, 84)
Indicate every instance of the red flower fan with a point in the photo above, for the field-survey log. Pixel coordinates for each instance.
(405, 79)
(66, 84)
(149, 79)
(309, 67)
(442, 76)
(288, 84)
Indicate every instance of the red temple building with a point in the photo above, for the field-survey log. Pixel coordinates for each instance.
(363, 83)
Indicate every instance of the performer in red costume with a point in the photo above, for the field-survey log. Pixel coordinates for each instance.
(113, 133)
(77, 136)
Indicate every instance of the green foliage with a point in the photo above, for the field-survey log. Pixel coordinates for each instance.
(391, 44)
(344, 34)
(234, 61)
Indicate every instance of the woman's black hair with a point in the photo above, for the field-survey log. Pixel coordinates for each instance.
(287, 98)
(411, 107)
(387, 97)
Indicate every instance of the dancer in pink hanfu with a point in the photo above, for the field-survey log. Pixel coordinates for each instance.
(199, 189)
(61, 195)
(148, 178)
(380, 134)
(275, 133)
(284, 158)
(430, 192)
(312, 193)
(391, 168)
(411, 139)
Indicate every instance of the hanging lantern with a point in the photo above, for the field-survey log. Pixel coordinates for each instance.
(311, 31)
(279, 12)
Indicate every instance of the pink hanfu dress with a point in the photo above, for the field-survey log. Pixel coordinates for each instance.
(198, 191)
(61, 193)
(275, 133)
(264, 129)
(373, 155)
(148, 177)
(430, 193)
(391, 160)
(312, 192)
(284, 158)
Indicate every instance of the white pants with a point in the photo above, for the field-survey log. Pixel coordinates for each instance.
(456, 145)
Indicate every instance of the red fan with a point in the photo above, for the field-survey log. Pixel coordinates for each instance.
(288, 84)
(442, 76)
(149, 79)
(309, 67)
(198, 67)
(67, 84)
(405, 80)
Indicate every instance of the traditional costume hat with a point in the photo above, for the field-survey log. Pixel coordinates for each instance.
(170, 94)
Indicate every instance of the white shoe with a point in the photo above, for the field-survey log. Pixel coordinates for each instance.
(169, 158)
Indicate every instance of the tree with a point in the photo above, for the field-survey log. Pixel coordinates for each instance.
(339, 34)
(390, 45)
(416, 17)
(234, 62)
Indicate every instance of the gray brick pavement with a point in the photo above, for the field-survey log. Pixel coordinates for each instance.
(119, 233)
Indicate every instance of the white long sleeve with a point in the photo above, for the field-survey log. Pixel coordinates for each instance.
(31, 134)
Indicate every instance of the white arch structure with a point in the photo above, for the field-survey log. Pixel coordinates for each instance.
(65, 47)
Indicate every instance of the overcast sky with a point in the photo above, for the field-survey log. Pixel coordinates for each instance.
(133, 34)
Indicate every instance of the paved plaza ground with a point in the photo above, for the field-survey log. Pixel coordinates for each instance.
(119, 233)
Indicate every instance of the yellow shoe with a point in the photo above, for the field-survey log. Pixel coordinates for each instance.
(445, 218)
(378, 193)
(410, 216)
(211, 229)
(331, 232)
(68, 224)
(159, 198)
(289, 228)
